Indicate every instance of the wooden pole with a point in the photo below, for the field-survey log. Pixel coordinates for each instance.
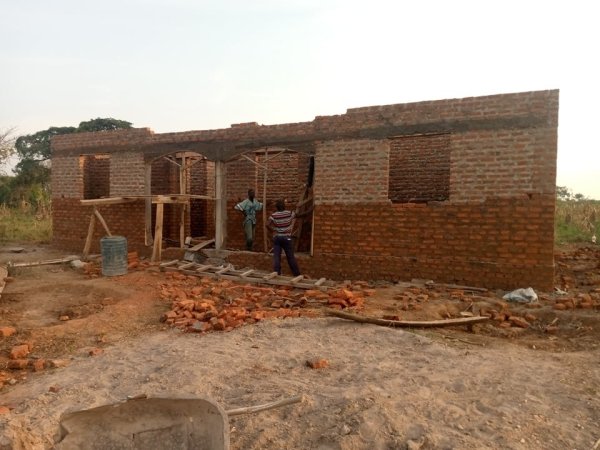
(90, 235)
(148, 203)
(220, 204)
(264, 210)
(157, 249)
(102, 222)
(182, 190)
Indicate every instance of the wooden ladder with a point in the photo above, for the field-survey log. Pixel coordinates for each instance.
(244, 275)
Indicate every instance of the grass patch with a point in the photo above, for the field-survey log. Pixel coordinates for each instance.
(577, 221)
(25, 225)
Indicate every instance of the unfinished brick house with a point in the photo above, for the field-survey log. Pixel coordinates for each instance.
(459, 191)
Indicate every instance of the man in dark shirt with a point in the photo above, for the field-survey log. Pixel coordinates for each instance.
(281, 223)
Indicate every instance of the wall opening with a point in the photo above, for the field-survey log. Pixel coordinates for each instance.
(96, 176)
(419, 168)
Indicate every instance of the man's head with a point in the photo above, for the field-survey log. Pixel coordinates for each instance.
(280, 205)
(251, 194)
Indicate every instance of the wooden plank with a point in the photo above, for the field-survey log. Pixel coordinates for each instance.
(90, 235)
(408, 323)
(296, 279)
(187, 266)
(170, 263)
(106, 201)
(158, 230)
(101, 219)
(246, 273)
(158, 199)
(204, 268)
(271, 275)
(200, 246)
(320, 281)
(223, 270)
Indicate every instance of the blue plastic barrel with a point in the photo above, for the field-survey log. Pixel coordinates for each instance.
(114, 255)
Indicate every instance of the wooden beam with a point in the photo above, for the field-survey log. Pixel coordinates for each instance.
(158, 230)
(246, 273)
(264, 208)
(107, 201)
(221, 205)
(271, 275)
(296, 279)
(148, 205)
(90, 235)
(101, 220)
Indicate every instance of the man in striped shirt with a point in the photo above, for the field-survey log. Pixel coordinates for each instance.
(281, 223)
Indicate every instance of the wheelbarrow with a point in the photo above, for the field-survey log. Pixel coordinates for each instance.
(154, 423)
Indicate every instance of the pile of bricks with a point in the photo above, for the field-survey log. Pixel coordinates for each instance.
(205, 304)
(582, 300)
(19, 357)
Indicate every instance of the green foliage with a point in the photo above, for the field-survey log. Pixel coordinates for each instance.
(99, 124)
(577, 220)
(24, 224)
(34, 153)
(36, 147)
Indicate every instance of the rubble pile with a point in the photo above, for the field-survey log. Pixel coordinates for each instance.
(207, 304)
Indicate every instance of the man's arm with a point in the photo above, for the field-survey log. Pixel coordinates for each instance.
(269, 224)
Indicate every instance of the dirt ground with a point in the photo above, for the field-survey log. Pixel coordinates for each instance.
(529, 378)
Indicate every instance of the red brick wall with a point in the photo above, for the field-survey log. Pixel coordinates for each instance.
(419, 168)
(70, 221)
(500, 243)
(286, 175)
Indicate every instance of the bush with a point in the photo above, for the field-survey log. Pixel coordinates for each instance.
(25, 224)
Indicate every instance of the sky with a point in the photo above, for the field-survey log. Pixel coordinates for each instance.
(177, 65)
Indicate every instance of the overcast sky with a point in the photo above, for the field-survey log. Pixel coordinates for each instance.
(176, 65)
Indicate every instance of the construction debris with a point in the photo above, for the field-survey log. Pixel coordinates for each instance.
(205, 304)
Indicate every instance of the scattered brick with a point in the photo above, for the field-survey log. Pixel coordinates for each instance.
(19, 351)
(7, 331)
(18, 364)
(317, 363)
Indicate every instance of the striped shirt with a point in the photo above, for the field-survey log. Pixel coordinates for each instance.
(282, 222)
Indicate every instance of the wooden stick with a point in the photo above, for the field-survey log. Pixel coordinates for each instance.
(266, 406)
(102, 222)
(407, 323)
(464, 288)
(157, 249)
(264, 209)
(45, 262)
(90, 235)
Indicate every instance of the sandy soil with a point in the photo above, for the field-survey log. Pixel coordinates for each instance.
(384, 388)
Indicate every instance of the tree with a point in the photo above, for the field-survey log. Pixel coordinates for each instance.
(7, 144)
(34, 149)
(103, 125)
